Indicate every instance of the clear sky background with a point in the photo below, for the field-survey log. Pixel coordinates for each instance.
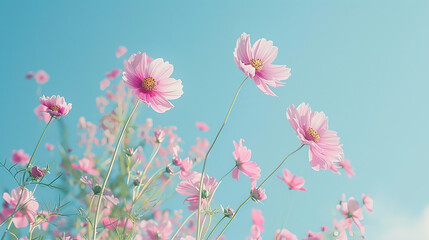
(364, 63)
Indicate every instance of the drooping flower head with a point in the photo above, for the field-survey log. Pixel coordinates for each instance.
(96, 189)
(151, 82)
(256, 62)
(26, 204)
(190, 186)
(56, 105)
(242, 162)
(20, 157)
(257, 194)
(352, 213)
(284, 235)
(37, 172)
(312, 128)
(294, 182)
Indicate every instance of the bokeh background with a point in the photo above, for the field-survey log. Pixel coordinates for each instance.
(364, 63)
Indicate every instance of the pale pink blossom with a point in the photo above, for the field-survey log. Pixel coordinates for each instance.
(353, 214)
(26, 204)
(48, 217)
(256, 63)
(284, 235)
(367, 202)
(41, 77)
(157, 231)
(256, 233)
(258, 219)
(151, 82)
(257, 194)
(111, 223)
(20, 157)
(294, 182)
(202, 126)
(339, 231)
(113, 74)
(86, 165)
(200, 148)
(105, 83)
(324, 228)
(121, 51)
(190, 187)
(41, 113)
(312, 129)
(242, 162)
(56, 105)
(187, 238)
(49, 146)
(345, 164)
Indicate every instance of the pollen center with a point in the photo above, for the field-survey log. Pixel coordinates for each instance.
(149, 84)
(55, 108)
(257, 64)
(314, 134)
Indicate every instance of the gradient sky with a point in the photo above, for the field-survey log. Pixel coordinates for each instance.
(364, 63)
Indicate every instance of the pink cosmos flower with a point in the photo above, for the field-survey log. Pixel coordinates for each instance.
(41, 77)
(157, 231)
(324, 228)
(258, 219)
(48, 217)
(256, 63)
(56, 105)
(242, 162)
(29, 75)
(294, 182)
(339, 231)
(312, 129)
(111, 223)
(113, 74)
(86, 165)
(121, 51)
(41, 113)
(37, 172)
(353, 213)
(367, 202)
(96, 189)
(105, 83)
(257, 194)
(190, 186)
(20, 157)
(26, 204)
(151, 82)
(345, 164)
(202, 126)
(49, 146)
(284, 235)
(256, 233)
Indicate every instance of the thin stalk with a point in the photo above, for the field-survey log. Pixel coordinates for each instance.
(7, 229)
(215, 227)
(260, 185)
(183, 224)
(89, 214)
(287, 215)
(110, 169)
(207, 154)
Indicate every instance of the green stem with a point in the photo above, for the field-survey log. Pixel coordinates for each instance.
(7, 229)
(207, 154)
(183, 224)
(260, 185)
(287, 215)
(89, 214)
(215, 227)
(110, 169)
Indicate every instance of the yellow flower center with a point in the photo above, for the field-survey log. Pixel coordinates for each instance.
(149, 84)
(257, 64)
(55, 108)
(314, 134)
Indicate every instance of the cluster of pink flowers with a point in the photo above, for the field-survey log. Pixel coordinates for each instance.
(130, 202)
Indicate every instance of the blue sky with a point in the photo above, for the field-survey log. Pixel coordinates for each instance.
(364, 63)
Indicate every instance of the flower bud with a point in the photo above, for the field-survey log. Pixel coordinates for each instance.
(159, 135)
(169, 170)
(96, 189)
(136, 182)
(37, 172)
